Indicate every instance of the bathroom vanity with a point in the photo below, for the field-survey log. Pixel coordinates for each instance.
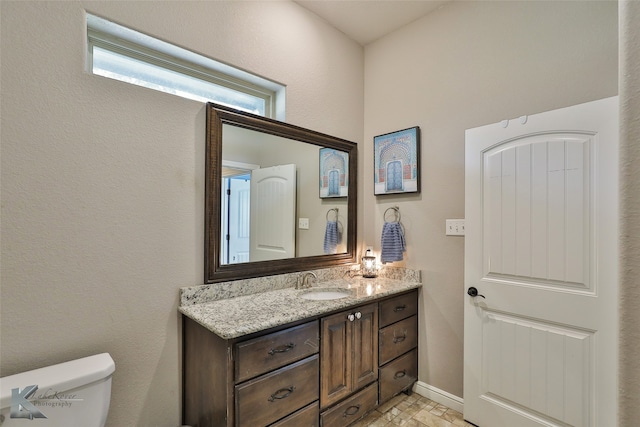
(257, 351)
(277, 359)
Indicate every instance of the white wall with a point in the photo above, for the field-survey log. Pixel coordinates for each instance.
(465, 65)
(629, 316)
(103, 182)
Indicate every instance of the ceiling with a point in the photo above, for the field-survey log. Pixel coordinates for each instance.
(367, 20)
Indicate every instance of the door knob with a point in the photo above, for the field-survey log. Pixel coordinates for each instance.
(474, 292)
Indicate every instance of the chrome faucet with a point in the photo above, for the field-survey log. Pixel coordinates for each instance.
(303, 281)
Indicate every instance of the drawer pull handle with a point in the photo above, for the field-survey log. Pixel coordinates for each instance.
(282, 349)
(399, 374)
(351, 410)
(400, 308)
(282, 393)
(396, 340)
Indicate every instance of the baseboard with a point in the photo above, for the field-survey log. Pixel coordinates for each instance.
(439, 396)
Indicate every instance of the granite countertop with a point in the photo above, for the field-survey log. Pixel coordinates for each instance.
(242, 315)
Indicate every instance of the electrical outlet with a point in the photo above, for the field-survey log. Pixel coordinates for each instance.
(303, 223)
(454, 227)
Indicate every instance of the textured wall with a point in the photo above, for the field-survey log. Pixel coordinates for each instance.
(630, 213)
(103, 182)
(465, 65)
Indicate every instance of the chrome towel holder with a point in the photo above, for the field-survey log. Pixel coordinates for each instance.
(396, 212)
(329, 211)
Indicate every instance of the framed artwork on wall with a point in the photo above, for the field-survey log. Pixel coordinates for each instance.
(396, 162)
(334, 173)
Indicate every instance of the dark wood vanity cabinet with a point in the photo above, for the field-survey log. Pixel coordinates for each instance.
(348, 352)
(328, 371)
(272, 379)
(398, 345)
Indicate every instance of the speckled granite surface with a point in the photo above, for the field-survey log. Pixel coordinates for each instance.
(193, 295)
(255, 311)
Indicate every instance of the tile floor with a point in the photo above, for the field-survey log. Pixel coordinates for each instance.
(412, 411)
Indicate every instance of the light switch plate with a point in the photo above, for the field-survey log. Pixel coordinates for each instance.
(454, 227)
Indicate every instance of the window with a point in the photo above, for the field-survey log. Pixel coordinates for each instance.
(123, 54)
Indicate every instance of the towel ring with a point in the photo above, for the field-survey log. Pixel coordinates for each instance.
(396, 213)
(329, 211)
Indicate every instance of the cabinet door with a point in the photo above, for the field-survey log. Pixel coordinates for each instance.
(348, 353)
(365, 346)
(335, 358)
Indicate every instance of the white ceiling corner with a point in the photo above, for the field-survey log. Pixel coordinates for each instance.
(367, 20)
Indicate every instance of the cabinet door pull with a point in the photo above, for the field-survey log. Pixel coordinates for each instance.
(351, 410)
(396, 340)
(351, 317)
(399, 374)
(282, 393)
(282, 349)
(400, 308)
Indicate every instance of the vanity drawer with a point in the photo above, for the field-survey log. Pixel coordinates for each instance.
(263, 354)
(398, 375)
(397, 339)
(263, 400)
(305, 417)
(398, 308)
(352, 409)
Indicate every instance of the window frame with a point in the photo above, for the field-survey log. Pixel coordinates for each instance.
(124, 41)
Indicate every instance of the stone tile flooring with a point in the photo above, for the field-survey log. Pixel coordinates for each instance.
(412, 411)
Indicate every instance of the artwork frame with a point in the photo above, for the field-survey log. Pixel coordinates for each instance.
(396, 162)
(333, 167)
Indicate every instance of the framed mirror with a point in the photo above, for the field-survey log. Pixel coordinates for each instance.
(278, 198)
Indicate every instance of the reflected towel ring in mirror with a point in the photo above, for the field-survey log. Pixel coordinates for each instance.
(329, 211)
(396, 211)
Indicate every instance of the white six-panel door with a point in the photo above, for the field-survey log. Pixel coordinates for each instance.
(541, 250)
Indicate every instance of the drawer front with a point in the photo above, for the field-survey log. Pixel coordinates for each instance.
(305, 417)
(263, 354)
(268, 398)
(398, 338)
(398, 375)
(352, 409)
(398, 308)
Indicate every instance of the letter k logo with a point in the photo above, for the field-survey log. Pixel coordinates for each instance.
(21, 407)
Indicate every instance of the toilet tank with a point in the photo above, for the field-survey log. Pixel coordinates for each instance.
(70, 394)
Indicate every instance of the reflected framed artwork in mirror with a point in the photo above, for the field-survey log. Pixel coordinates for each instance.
(261, 183)
(334, 173)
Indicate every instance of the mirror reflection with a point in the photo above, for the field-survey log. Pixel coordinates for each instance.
(280, 198)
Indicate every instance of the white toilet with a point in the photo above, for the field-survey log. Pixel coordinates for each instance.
(70, 394)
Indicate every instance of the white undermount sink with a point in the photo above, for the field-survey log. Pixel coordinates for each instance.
(326, 294)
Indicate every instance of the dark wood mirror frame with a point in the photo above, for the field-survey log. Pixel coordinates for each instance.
(214, 270)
